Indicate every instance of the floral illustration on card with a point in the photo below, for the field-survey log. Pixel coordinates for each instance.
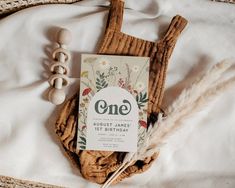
(99, 72)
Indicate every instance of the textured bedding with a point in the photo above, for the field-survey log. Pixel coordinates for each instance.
(202, 154)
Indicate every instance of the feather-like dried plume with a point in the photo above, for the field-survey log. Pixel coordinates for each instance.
(189, 102)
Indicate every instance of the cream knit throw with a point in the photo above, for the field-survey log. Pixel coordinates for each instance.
(225, 1)
(10, 6)
(9, 182)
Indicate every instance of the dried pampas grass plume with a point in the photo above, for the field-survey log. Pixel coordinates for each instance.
(189, 102)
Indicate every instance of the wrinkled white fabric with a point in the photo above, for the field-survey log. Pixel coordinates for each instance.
(202, 154)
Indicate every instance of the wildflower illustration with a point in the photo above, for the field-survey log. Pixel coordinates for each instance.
(135, 68)
(103, 63)
(140, 86)
(99, 72)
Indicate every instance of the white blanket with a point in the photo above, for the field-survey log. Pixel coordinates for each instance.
(202, 154)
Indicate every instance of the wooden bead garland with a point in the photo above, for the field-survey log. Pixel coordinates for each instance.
(59, 67)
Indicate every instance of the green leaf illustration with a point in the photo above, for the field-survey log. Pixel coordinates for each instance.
(83, 139)
(84, 74)
(141, 99)
(82, 147)
(137, 98)
(101, 82)
(82, 143)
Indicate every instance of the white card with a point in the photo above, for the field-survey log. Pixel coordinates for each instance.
(113, 102)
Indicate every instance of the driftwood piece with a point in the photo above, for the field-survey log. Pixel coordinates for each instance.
(97, 166)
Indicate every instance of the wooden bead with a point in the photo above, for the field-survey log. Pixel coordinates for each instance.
(54, 67)
(64, 36)
(52, 79)
(56, 96)
(63, 51)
